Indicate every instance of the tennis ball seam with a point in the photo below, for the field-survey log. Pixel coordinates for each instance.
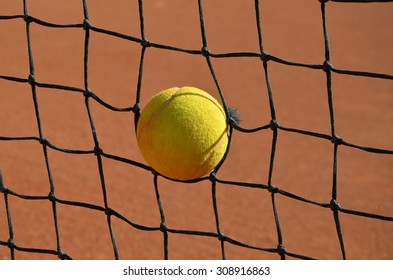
(159, 111)
(212, 152)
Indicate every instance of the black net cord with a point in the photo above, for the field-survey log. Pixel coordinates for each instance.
(42, 139)
(97, 148)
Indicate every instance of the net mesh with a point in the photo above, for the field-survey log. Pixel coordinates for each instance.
(100, 155)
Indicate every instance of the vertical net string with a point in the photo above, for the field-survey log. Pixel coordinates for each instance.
(97, 150)
(42, 140)
(335, 139)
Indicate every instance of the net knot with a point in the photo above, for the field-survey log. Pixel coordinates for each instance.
(87, 93)
(44, 141)
(97, 150)
(272, 189)
(337, 140)
(163, 227)
(52, 197)
(334, 205)
(109, 211)
(31, 80)
(327, 66)
(63, 256)
(213, 177)
(281, 250)
(265, 57)
(86, 24)
(145, 43)
(28, 18)
(205, 51)
(155, 173)
(11, 244)
(274, 124)
(3, 189)
(136, 108)
(222, 237)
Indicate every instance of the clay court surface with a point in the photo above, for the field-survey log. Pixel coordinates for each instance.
(361, 39)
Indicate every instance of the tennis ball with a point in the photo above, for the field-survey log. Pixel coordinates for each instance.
(183, 133)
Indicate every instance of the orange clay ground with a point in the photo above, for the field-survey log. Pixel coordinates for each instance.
(361, 38)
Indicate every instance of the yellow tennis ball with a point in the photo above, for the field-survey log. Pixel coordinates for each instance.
(183, 133)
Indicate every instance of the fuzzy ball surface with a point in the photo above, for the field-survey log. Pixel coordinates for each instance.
(183, 133)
